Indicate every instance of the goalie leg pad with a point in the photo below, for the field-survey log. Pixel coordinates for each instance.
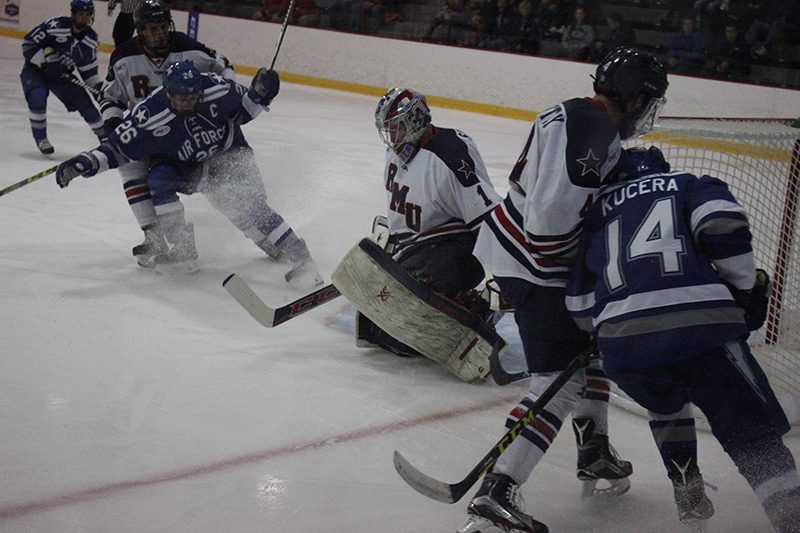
(406, 310)
(369, 335)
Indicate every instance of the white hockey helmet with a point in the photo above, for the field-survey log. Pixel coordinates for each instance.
(401, 118)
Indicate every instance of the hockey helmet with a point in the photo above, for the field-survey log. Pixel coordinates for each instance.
(85, 21)
(154, 24)
(402, 117)
(637, 162)
(182, 83)
(625, 74)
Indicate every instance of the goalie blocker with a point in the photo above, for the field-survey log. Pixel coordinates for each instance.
(424, 320)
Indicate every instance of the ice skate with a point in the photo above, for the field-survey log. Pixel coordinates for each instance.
(181, 256)
(154, 244)
(44, 146)
(304, 274)
(498, 506)
(694, 506)
(599, 462)
(273, 252)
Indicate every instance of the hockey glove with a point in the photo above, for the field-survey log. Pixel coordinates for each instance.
(755, 302)
(84, 164)
(55, 65)
(265, 87)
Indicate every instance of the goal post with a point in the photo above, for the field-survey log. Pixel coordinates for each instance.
(760, 161)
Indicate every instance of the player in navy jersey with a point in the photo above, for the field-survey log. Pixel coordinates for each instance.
(53, 51)
(134, 71)
(438, 192)
(663, 275)
(528, 245)
(190, 131)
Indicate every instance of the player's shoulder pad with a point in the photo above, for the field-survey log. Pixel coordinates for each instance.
(127, 49)
(590, 137)
(450, 146)
(182, 43)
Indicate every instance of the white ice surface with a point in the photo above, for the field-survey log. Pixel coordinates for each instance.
(138, 402)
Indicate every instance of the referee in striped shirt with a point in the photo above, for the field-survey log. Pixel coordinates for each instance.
(123, 26)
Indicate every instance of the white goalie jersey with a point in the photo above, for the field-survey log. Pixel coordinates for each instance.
(445, 189)
(133, 74)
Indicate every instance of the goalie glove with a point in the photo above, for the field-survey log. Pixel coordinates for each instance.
(264, 87)
(755, 302)
(84, 164)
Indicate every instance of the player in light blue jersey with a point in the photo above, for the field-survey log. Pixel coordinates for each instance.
(189, 130)
(53, 50)
(666, 279)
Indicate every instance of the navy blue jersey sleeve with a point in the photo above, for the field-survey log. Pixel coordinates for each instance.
(586, 155)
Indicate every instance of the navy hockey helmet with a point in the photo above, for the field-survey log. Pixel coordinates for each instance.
(154, 24)
(625, 74)
(82, 14)
(183, 83)
(402, 117)
(637, 162)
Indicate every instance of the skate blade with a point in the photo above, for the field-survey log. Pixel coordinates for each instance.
(178, 269)
(699, 526)
(610, 488)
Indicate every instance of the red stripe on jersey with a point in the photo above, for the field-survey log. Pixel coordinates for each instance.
(598, 384)
(517, 235)
(137, 191)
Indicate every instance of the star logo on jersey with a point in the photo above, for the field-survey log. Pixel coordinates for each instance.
(53, 24)
(384, 294)
(467, 170)
(590, 164)
(141, 115)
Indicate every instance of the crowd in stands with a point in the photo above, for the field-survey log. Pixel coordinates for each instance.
(727, 39)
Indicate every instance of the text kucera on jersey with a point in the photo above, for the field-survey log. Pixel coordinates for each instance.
(639, 187)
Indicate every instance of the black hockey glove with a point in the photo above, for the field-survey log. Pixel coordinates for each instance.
(755, 302)
(84, 164)
(265, 87)
(55, 65)
(110, 125)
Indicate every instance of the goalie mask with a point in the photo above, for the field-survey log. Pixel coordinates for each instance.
(402, 117)
(623, 76)
(82, 14)
(155, 27)
(183, 84)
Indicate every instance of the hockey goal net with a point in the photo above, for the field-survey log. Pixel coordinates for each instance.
(760, 161)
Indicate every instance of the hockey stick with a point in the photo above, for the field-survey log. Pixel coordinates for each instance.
(283, 32)
(269, 317)
(451, 493)
(24, 182)
(499, 374)
(94, 92)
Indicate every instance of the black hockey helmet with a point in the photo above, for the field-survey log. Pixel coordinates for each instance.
(155, 26)
(623, 75)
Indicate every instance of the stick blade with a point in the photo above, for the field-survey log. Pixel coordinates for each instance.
(425, 485)
(248, 299)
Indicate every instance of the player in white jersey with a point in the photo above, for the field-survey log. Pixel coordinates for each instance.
(438, 193)
(134, 71)
(528, 244)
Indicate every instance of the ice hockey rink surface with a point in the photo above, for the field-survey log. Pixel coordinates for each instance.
(132, 401)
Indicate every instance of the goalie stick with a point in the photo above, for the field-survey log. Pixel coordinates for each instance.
(26, 181)
(499, 374)
(267, 316)
(451, 493)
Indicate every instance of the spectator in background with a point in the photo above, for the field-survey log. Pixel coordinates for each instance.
(731, 54)
(526, 30)
(453, 14)
(578, 37)
(771, 29)
(374, 10)
(554, 18)
(305, 12)
(496, 26)
(123, 25)
(619, 34)
(686, 50)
